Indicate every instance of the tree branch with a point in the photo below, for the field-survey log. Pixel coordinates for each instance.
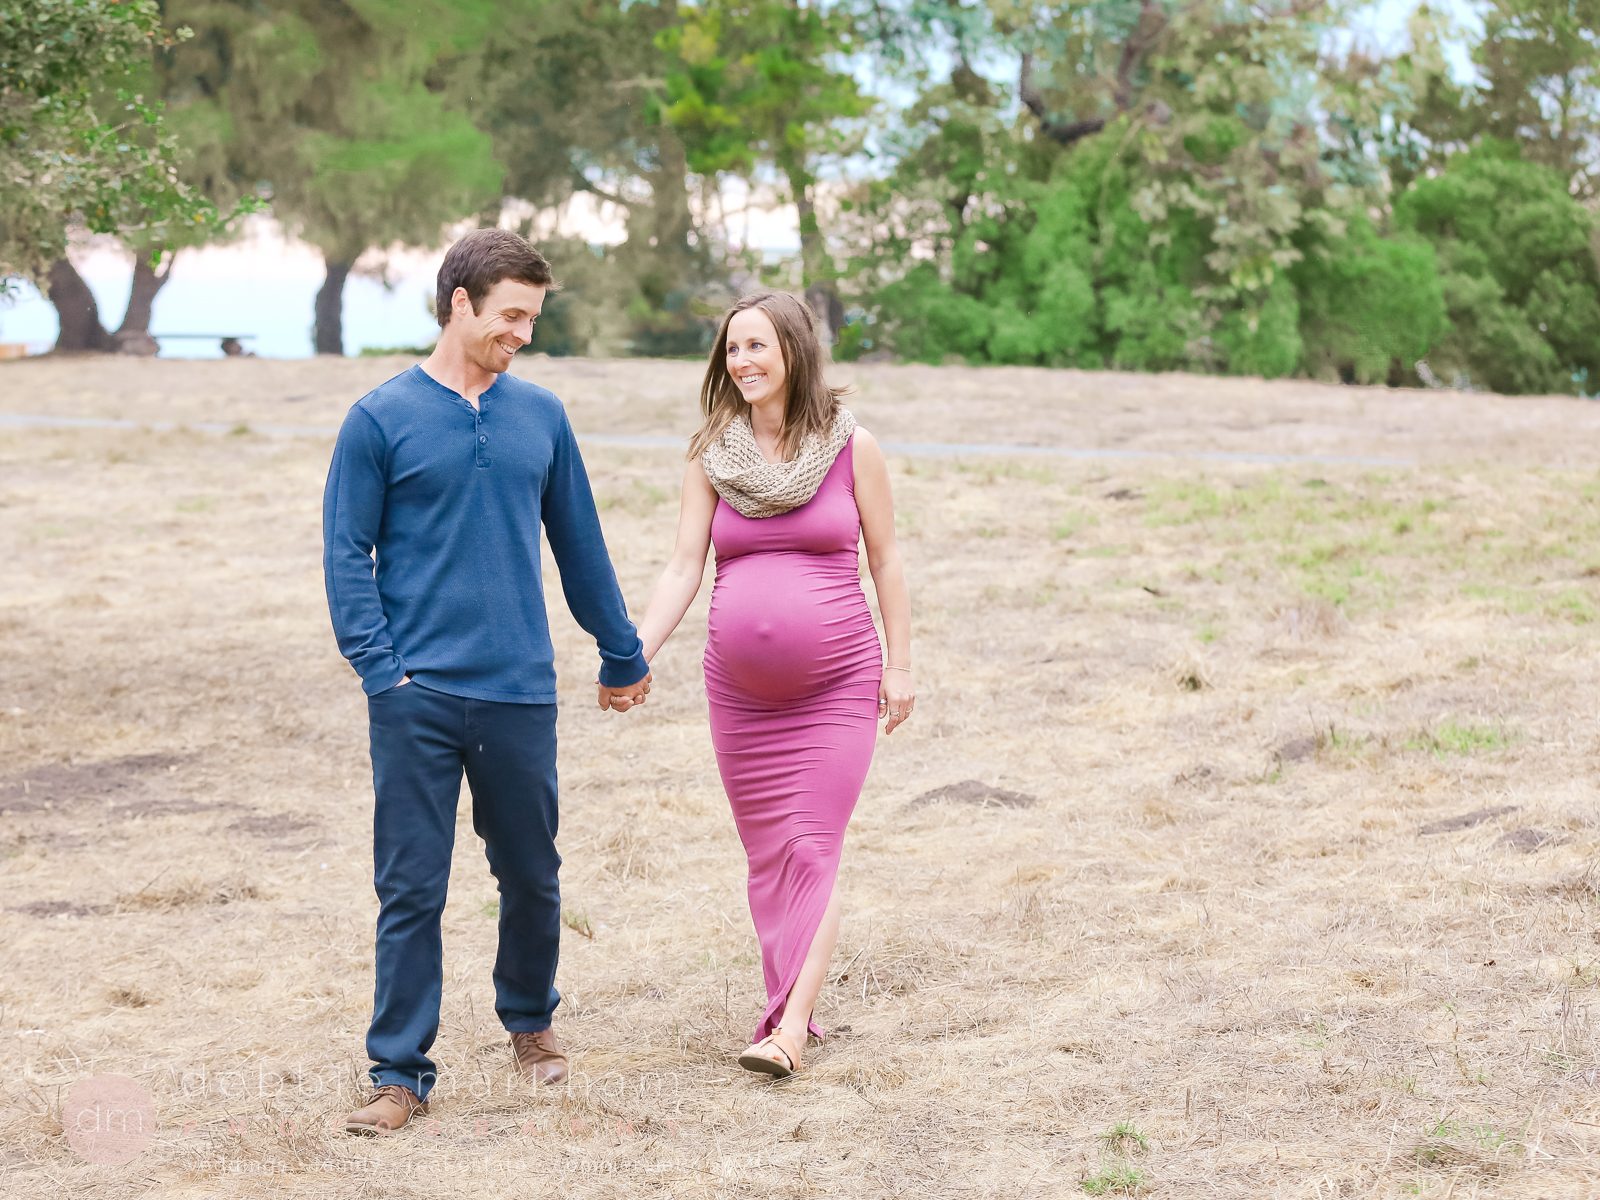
(1065, 132)
(1151, 24)
(583, 184)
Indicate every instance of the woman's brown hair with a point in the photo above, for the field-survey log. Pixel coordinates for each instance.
(811, 403)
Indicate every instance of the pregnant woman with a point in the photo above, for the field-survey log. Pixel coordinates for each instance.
(786, 485)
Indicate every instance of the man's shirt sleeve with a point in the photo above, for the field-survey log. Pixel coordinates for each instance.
(587, 578)
(352, 512)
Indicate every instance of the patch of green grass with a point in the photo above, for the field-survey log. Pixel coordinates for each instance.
(197, 504)
(1317, 1038)
(1452, 737)
(990, 472)
(1584, 974)
(1341, 741)
(1124, 1136)
(1116, 1179)
(1511, 599)
(1335, 591)
(577, 921)
(1448, 1142)
(1207, 634)
(242, 429)
(1071, 525)
(1560, 1060)
(1575, 606)
(489, 908)
(1401, 1083)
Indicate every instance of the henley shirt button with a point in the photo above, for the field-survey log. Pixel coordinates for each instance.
(483, 439)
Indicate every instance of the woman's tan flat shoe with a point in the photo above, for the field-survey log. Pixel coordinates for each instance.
(753, 1060)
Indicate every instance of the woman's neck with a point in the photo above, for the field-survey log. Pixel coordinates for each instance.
(766, 422)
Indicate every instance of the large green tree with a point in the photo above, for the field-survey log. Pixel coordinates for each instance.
(1173, 194)
(1540, 64)
(1520, 279)
(755, 83)
(83, 143)
(372, 155)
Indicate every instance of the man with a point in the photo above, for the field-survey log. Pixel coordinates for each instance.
(446, 472)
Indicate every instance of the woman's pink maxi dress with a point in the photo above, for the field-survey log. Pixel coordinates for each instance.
(792, 669)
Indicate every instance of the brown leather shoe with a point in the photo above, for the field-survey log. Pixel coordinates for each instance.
(391, 1107)
(539, 1057)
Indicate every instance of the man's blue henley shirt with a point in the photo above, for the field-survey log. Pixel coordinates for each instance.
(451, 498)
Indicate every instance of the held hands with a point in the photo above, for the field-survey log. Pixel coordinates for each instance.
(623, 698)
(897, 696)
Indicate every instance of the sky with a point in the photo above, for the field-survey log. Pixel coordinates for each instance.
(262, 285)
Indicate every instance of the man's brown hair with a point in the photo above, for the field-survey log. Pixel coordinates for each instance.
(482, 259)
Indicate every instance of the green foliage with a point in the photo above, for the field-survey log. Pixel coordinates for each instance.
(356, 157)
(79, 139)
(1123, 184)
(1519, 276)
(760, 81)
(1114, 1179)
(1540, 65)
(1370, 306)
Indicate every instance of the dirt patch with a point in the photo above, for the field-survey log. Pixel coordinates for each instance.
(1467, 820)
(1296, 749)
(971, 791)
(272, 825)
(62, 785)
(1527, 839)
(60, 908)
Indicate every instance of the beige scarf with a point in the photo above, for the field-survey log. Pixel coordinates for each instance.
(757, 488)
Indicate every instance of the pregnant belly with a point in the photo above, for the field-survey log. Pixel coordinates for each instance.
(789, 630)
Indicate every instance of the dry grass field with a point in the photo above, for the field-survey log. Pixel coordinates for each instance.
(1243, 843)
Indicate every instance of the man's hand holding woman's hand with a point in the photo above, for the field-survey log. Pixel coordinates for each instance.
(621, 699)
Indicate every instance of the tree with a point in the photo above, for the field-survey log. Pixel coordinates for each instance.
(1370, 306)
(209, 82)
(1540, 62)
(330, 109)
(80, 143)
(760, 81)
(379, 156)
(1519, 274)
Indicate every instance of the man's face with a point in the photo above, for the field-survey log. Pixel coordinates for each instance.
(502, 325)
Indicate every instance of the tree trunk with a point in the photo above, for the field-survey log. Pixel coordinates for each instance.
(815, 270)
(147, 282)
(673, 220)
(79, 315)
(328, 331)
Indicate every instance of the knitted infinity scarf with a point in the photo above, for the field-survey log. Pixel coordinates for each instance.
(757, 488)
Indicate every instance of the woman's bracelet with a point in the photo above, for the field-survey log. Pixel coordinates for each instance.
(907, 670)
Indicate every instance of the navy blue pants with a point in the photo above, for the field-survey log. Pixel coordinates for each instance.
(422, 740)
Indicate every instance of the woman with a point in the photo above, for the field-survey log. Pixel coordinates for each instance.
(785, 484)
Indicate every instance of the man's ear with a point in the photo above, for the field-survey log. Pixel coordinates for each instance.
(460, 302)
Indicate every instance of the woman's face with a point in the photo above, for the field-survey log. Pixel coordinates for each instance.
(754, 358)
